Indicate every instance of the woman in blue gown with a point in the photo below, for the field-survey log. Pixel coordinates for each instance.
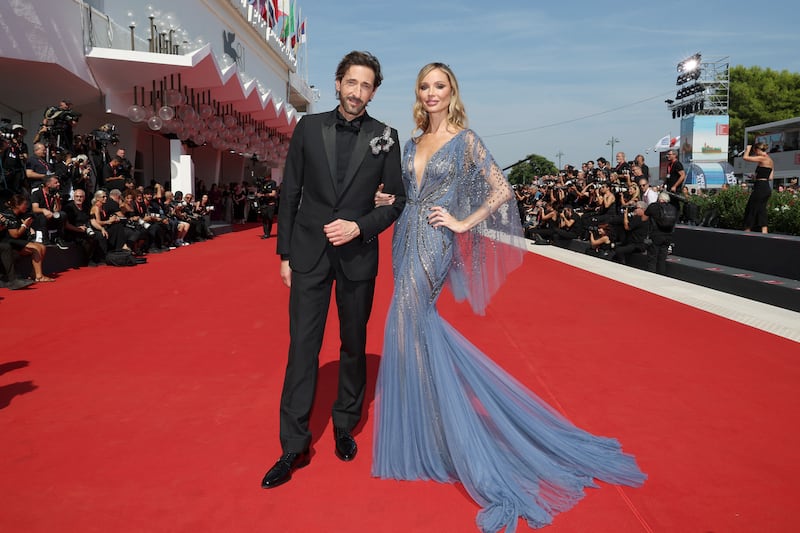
(444, 410)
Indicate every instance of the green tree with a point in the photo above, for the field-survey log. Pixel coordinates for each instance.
(758, 96)
(531, 168)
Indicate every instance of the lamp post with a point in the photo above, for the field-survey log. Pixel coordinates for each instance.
(132, 26)
(611, 142)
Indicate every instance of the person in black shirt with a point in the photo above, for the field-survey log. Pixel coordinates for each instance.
(37, 168)
(663, 216)
(47, 214)
(268, 200)
(112, 175)
(639, 160)
(15, 233)
(14, 157)
(676, 175)
(637, 228)
(78, 227)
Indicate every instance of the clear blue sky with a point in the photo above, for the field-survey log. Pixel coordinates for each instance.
(525, 65)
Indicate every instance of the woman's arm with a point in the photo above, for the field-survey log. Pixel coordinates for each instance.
(600, 240)
(752, 158)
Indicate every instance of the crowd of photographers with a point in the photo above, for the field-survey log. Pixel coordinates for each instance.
(613, 211)
(70, 191)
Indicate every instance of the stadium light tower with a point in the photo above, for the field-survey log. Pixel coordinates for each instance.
(703, 87)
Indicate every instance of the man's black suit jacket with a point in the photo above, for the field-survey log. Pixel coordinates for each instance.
(310, 199)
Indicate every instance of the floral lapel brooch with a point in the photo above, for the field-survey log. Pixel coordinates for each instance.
(382, 143)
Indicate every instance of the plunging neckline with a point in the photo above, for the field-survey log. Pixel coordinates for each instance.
(418, 181)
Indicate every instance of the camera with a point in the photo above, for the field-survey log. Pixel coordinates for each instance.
(89, 230)
(107, 133)
(6, 131)
(57, 119)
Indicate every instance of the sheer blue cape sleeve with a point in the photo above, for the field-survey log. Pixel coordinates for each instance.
(486, 254)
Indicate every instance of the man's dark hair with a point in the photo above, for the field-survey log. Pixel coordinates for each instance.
(363, 59)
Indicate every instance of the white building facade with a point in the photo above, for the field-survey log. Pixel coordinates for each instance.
(204, 91)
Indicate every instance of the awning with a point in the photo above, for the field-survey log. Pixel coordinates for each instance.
(117, 72)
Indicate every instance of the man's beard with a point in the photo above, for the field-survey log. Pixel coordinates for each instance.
(352, 106)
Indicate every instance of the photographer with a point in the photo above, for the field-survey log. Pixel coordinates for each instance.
(66, 169)
(602, 242)
(157, 233)
(172, 210)
(16, 233)
(604, 202)
(546, 221)
(136, 227)
(37, 167)
(165, 232)
(56, 130)
(83, 175)
(267, 194)
(112, 233)
(645, 170)
(14, 156)
(79, 226)
(647, 193)
(8, 260)
(48, 218)
(569, 226)
(676, 175)
(113, 177)
(198, 229)
(663, 216)
(622, 167)
(637, 228)
(125, 168)
(205, 208)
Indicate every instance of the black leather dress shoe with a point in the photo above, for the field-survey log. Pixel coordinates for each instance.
(346, 448)
(281, 472)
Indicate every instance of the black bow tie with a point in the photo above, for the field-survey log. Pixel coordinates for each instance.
(344, 125)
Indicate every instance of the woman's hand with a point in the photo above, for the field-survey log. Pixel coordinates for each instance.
(383, 199)
(439, 216)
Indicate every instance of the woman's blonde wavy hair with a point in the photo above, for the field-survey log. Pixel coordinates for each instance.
(456, 114)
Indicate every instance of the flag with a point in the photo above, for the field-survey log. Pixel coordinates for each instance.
(288, 24)
(270, 12)
(296, 31)
(666, 143)
(303, 32)
(282, 8)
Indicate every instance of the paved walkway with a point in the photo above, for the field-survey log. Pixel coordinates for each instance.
(769, 318)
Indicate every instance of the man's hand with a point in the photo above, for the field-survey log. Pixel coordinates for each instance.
(286, 272)
(341, 232)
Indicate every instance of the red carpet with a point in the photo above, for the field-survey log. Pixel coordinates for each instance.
(146, 399)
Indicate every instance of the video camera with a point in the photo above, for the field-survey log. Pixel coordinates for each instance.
(105, 134)
(57, 118)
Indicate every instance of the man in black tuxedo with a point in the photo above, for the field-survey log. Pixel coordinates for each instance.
(336, 162)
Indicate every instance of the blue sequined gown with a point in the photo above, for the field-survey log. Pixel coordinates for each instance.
(444, 410)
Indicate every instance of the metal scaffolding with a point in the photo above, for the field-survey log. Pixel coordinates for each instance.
(709, 94)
